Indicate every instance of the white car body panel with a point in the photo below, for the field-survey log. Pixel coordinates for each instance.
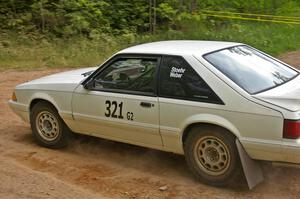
(178, 47)
(256, 120)
(56, 89)
(88, 109)
(286, 96)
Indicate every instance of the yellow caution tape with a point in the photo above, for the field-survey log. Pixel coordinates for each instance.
(292, 18)
(253, 19)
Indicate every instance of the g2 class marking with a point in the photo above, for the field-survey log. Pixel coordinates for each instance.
(130, 116)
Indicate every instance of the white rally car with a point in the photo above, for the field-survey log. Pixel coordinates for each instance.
(202, 99)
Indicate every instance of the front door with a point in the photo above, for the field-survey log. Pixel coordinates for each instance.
(122, 103)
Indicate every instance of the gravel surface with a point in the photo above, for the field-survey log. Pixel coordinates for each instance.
(97, 168)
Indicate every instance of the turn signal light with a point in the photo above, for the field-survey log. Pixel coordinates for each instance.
(14, 97)
(291, 129)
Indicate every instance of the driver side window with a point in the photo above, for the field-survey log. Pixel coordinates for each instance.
(128, 74)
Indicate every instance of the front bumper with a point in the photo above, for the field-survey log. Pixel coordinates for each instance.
(21, 110)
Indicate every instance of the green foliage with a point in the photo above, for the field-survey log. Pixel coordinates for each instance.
(289, 8)
(73, 33)
(32, 52)
(92, 18)
(166, 14)
(36, 51)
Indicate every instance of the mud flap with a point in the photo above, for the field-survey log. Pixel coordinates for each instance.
(251, 168)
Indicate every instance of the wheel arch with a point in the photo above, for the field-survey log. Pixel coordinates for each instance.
(37, 100)
(208, 120)
(38, 97)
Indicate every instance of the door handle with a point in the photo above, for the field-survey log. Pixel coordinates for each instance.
(146, 104)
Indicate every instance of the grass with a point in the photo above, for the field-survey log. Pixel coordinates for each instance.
(23, 52)
(35, 51)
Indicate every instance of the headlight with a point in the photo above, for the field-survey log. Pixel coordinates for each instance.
(14, 97)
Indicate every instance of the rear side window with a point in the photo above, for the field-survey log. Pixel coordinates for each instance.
(180, 81)
(250, 69)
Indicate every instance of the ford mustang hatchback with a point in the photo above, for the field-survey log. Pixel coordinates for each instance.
(196, 98)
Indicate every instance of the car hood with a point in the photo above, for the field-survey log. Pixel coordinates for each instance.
(59, 81)
(286, 96)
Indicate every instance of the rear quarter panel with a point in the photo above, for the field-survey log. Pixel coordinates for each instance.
(246, 119)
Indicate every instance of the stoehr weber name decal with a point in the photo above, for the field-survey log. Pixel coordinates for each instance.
(177, 72)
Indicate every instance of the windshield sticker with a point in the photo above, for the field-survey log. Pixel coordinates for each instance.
(177, 72)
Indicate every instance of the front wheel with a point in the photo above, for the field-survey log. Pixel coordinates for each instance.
(47, 127)
(212, 156)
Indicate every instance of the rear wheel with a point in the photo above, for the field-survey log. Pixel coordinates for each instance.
(212, 156)
(47, 127)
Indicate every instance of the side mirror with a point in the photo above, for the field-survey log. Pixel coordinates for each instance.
(89, 85)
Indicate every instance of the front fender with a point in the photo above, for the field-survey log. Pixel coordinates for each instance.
(43, 96)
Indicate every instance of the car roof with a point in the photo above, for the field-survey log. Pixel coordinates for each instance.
(179, 47)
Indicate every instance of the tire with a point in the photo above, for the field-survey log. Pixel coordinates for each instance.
(48, 129)
(212, 156)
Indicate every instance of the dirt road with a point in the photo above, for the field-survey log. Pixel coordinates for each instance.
(97, 168)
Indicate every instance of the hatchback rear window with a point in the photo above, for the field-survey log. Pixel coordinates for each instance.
(250, 69)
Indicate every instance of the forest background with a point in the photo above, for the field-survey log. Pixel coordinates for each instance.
(79, 33)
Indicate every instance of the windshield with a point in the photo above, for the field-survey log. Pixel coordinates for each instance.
(250, 69)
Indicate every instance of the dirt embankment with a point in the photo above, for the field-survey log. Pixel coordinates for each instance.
(97, 168)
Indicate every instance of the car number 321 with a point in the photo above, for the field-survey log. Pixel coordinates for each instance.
(112, 110)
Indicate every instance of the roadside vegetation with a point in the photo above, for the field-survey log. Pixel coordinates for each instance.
(78, 33)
